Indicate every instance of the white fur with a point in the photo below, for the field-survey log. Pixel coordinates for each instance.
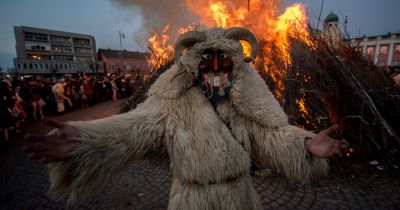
(204, 151)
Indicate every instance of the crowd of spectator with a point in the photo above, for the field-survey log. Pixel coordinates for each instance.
(28, 99)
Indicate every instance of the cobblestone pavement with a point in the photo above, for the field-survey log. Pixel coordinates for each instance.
(145, 185)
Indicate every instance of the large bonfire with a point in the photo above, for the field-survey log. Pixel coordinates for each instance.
(318, 84)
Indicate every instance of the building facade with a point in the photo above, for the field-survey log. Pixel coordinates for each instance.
(44, 51)
(383, 50)
(125, 62)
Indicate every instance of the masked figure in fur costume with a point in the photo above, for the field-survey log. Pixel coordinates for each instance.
(212, 112)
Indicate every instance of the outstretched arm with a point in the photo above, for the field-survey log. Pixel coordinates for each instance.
(300, 154)
(96, 150)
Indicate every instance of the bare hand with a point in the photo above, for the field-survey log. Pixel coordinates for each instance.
(324, 146)
(51, 148)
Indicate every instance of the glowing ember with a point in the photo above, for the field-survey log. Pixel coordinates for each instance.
(349, 152)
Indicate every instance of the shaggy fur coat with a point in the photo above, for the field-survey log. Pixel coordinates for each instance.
(209, 148)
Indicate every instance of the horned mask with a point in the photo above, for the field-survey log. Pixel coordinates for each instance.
(213, 55)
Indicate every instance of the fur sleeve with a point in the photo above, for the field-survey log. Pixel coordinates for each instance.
(107, 146)
(273, 140)
(284, 149)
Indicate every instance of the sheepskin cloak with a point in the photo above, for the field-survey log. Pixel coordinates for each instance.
(209, 148)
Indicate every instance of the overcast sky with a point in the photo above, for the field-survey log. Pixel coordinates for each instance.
(104, 19)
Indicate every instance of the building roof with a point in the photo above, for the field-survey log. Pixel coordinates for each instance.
(384, 36)
(51, 31)
(332, 17)
(108, 53)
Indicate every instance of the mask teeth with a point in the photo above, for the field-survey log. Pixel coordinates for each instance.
(216, 81)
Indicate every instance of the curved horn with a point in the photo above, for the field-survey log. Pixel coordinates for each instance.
(186, 40)
(239, 33)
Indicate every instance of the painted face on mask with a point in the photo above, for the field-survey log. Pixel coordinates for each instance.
(215, 74)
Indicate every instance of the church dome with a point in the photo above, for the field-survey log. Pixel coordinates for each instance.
(332, 18)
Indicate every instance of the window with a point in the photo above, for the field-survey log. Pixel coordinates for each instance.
(63, 57)
(82, 58)
(47, 66)
(80, 41)
(41, 66)
(65, 66)
(60, 39)
(35, 36)
(383, 50)
(24, 65)
(82, 50)
(30, 66)
(397, 49)
(370, 50)
(19, 66)
(36, 66)
(60, 66)
(56, 49)
(28, 35)
(35, 47)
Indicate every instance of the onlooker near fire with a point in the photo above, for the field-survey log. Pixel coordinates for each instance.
(114, 89)
(58, 90)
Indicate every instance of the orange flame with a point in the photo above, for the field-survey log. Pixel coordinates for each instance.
(161, 45)
(219, 14)
(161, 48)
(262, 19)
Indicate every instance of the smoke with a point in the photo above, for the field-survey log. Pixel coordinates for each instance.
(158, 13)
(169, 17)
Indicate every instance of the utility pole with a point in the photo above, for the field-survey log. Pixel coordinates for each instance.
(121, 36)
(320, 12)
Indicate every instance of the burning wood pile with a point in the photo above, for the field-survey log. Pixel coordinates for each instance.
(319, 83)
(329, 84)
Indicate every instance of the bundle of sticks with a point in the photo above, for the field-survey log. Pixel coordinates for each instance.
(327, 83)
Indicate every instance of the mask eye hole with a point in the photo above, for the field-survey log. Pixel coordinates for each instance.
(223, 56)
(206, 56)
